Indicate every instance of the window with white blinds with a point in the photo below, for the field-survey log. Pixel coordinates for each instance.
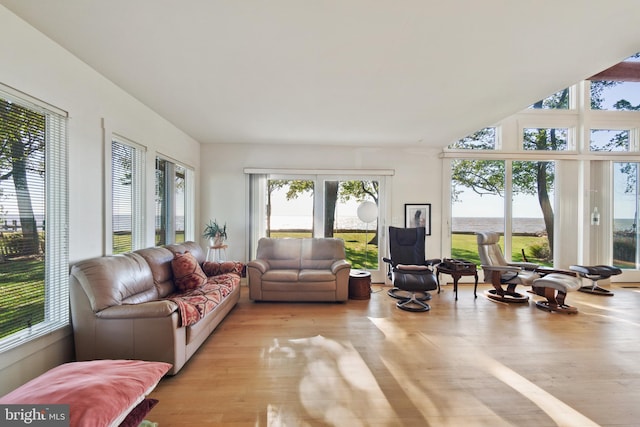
(127, 196)
(34, 289)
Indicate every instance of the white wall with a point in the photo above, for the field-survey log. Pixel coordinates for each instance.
(35, 65)
(417, 179)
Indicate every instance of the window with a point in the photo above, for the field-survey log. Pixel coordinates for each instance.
(127, 196)
(545, 139)
(617, 88)
(615, 95)
(174, 202)
(484, 139)
(477, 203)
(557, 101)
(626, 197)
(490, 195)
(532, 210)
(33, 220)
(609, 140)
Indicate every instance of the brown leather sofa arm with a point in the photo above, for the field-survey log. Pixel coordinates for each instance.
(259, 264)
(160, 308)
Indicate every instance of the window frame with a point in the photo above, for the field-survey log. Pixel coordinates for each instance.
(138, 176)
(56, 254)
(170, 204)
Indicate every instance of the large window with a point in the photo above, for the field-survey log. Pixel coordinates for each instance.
(33, 220)
(319, 206)
(487, 195)
(174, 202)
(127, 196)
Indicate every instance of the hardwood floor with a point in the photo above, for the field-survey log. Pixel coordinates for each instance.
(367, 363)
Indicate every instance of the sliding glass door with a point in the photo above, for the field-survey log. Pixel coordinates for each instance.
(321, 206)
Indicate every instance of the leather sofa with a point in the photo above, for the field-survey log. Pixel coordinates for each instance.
(308, 269)
(127, 306)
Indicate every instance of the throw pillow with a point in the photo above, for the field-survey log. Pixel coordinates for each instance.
(98, 392)
(187, 273)
(212, 268)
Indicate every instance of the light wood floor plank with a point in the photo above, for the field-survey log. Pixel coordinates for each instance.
(473, 362)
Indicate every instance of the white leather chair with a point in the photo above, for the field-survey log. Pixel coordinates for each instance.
(504, 276)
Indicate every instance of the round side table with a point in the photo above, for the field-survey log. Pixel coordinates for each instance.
(359, 284)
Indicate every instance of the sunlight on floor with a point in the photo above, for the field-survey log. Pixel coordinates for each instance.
(336, 387)
(430, 399)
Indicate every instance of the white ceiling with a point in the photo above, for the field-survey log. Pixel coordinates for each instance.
(369, 72)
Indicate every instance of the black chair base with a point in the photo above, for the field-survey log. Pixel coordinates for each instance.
(596, 290)
(398, 293)
(507, 296)
(595, 273)
(413, 304)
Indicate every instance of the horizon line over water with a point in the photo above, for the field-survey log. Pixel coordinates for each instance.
(459, 224)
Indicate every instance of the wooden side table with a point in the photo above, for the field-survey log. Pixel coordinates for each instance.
(359, 284)
(457, 268)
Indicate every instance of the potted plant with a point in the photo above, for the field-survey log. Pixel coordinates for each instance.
(215, 233)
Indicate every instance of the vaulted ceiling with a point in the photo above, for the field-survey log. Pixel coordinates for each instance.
(364, 72)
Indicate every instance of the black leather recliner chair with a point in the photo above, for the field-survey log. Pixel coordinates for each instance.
(411, 274)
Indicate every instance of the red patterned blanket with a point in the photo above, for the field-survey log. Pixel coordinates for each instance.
(194, 304)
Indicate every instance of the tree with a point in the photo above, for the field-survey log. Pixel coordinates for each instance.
(22, 144)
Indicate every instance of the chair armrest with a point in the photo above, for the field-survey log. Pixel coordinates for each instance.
(339, 265)
(501, 267)
(525, 265)
(158, 308)
(259, 264)
(433, 261)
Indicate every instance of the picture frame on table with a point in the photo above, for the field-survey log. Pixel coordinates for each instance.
(418, 215)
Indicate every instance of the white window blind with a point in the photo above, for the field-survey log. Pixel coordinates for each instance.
(33, 219)
(127, 195)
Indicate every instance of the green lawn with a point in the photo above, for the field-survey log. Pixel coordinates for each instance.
(354, 247)
(21, 293)
(465, 246)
